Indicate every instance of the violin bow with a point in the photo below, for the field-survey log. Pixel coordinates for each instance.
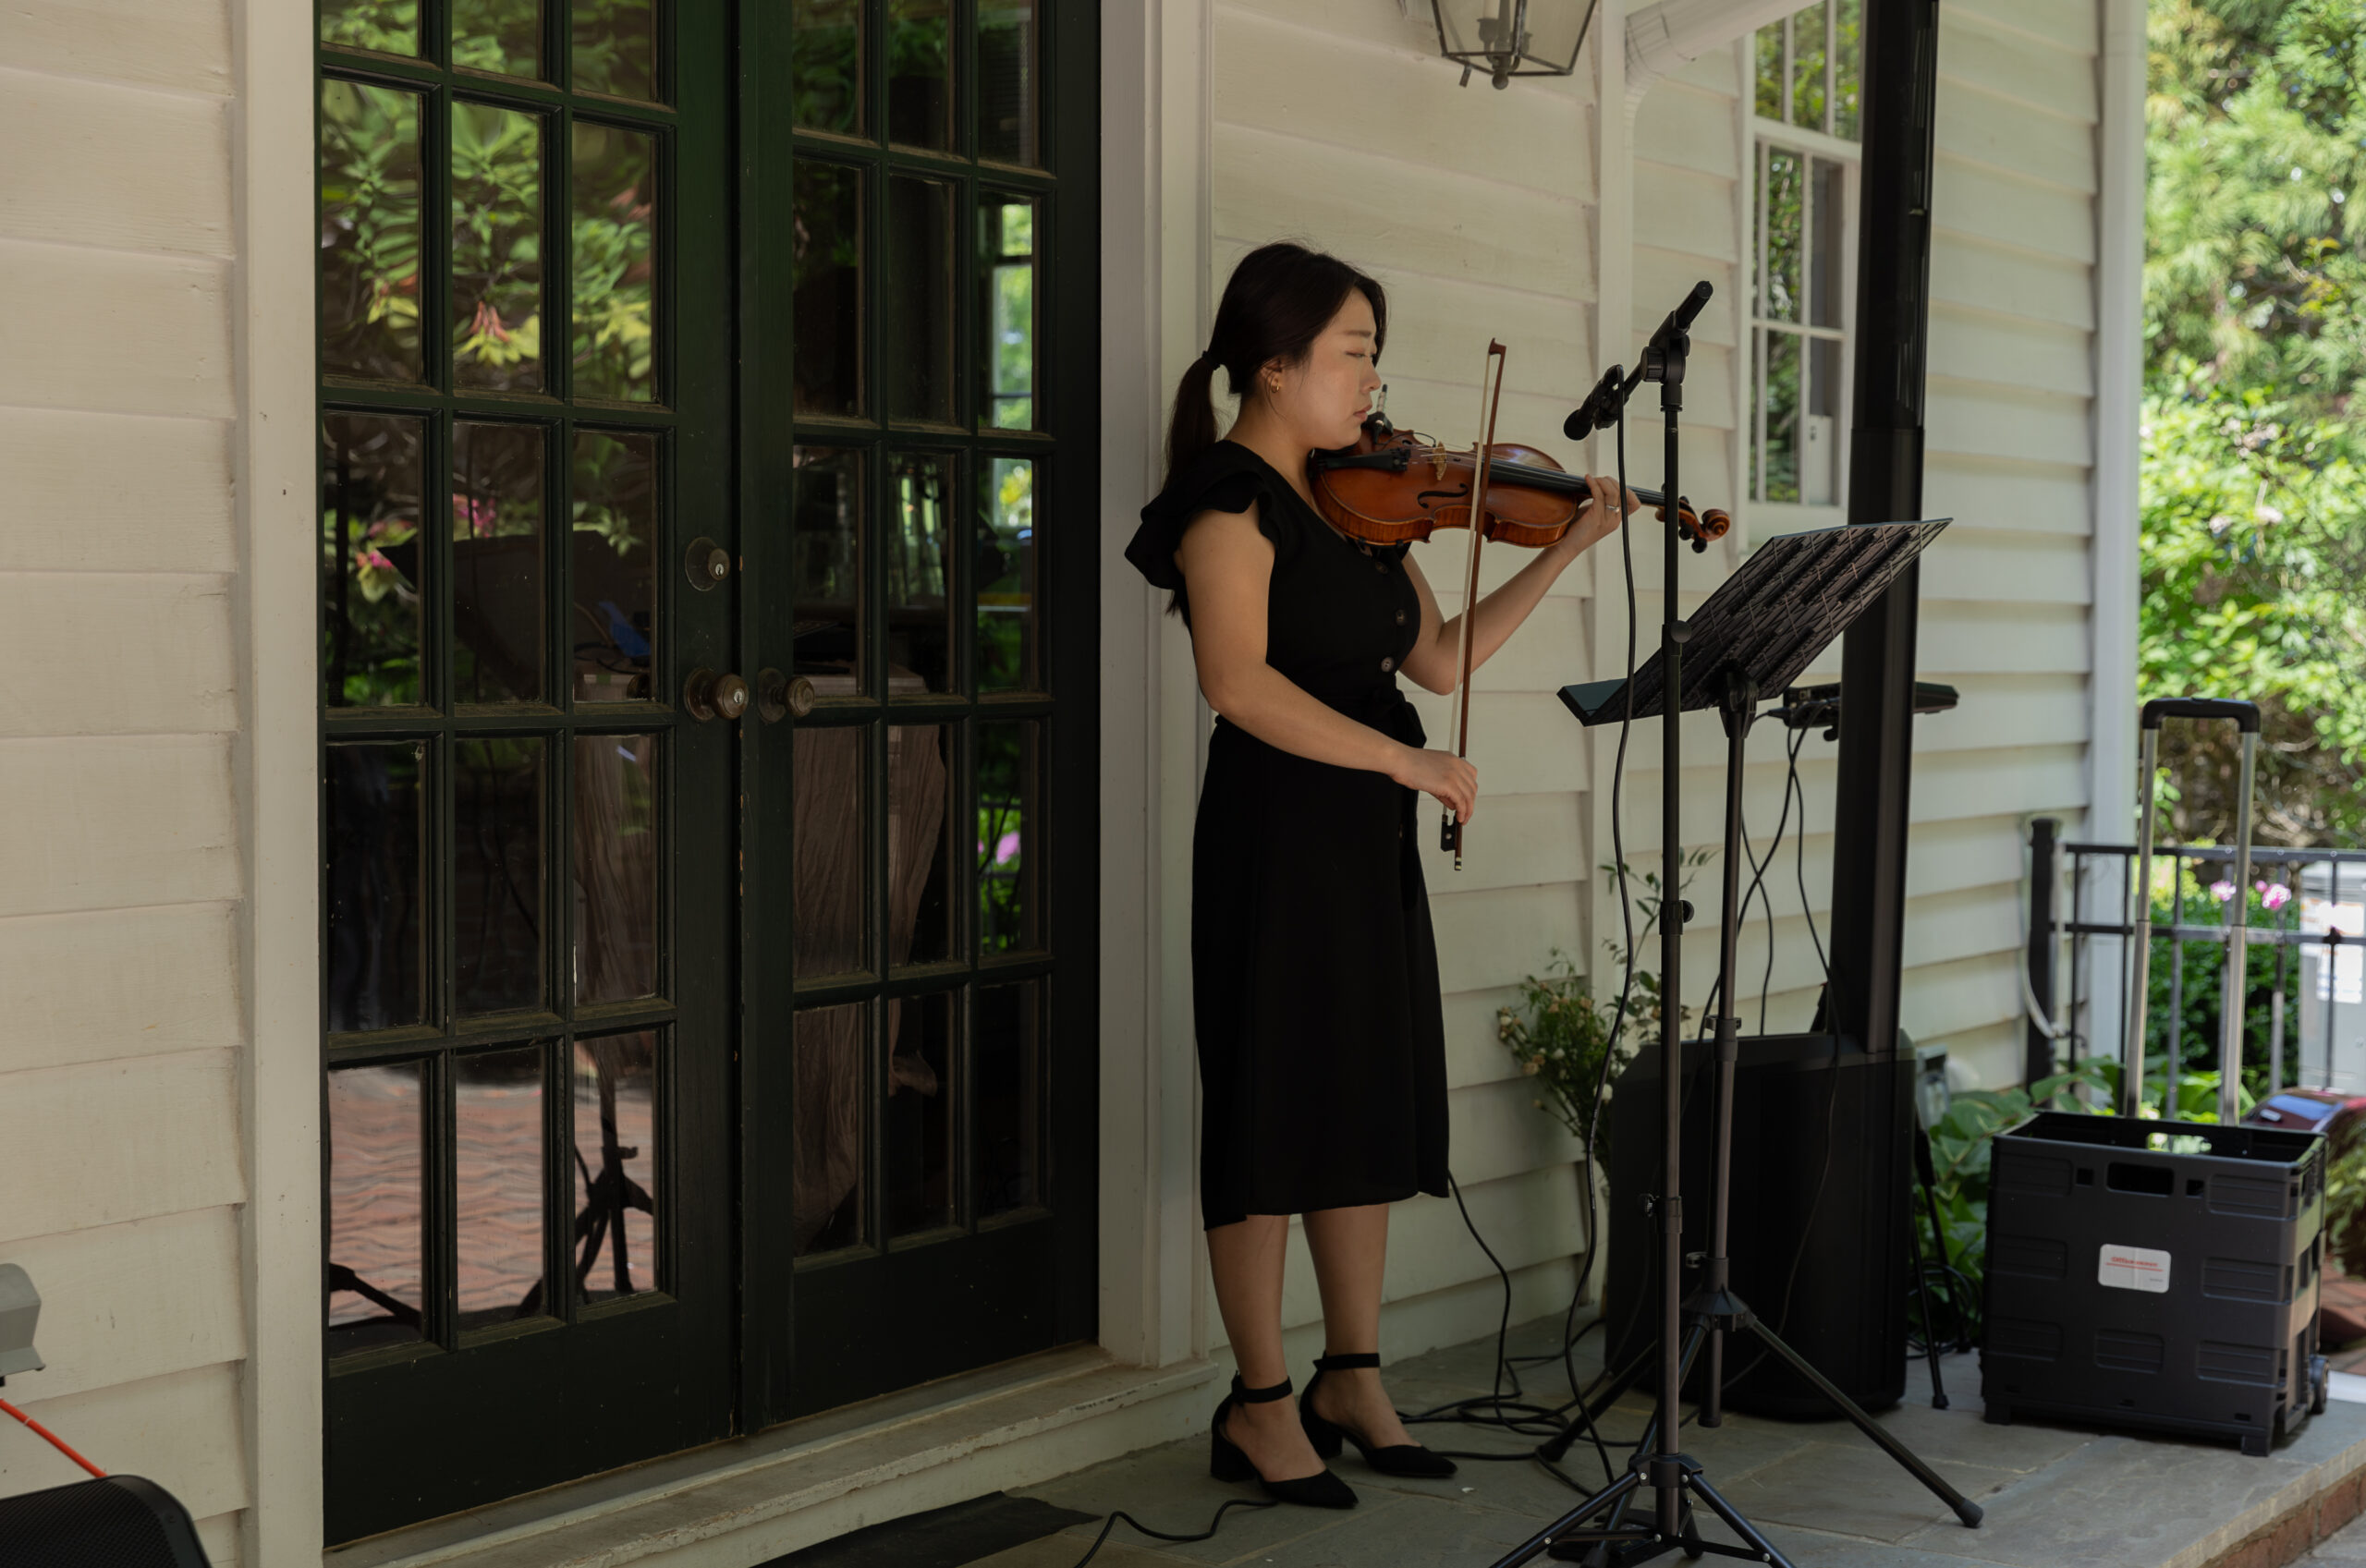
(1489, 399)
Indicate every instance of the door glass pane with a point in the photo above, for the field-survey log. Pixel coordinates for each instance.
(388, 25)
(501, 36)
(1778, 475)
(1807, 67)
(1847, 44)
(919, 84)
(1010, 914)
(919, 1129)
(1823, 233)
(825, 66)
(615, 48)
(369, 560)
(614, 231)
(919, 608)
(496, 249)
(377, 1175)
(830, 789)
(1008, 91)
(1006, 1097)
(372, 832)
(1008, 656)
(1769, 100)
(615, 1164)
(614, 543)
(827, 1139)
(498, 874)
(616, 867)
(1819, 458)
(828, 289)
(370, 232)
(918, 307)
(920, 839)
(825, 552)
(1007, 227)
(1785, 197)
(497, 1157)
(496, 562)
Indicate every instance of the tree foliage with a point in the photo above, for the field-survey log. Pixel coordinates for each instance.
(2254, 490)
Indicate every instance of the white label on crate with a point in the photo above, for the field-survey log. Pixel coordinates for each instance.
(2133, 1268)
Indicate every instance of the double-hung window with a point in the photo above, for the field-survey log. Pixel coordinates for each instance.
(1804, 163)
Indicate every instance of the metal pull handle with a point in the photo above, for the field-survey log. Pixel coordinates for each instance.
(706, 695)
(782, 697)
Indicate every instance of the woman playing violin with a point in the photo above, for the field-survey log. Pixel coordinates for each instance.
(1314, 971)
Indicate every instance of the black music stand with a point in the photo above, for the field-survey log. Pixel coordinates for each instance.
(1755, 634)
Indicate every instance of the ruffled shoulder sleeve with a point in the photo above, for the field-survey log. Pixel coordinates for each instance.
(1226, 478)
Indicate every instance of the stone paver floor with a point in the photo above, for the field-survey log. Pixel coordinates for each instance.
(2055, 1497)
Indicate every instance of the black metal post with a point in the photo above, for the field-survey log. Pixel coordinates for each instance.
(1900, 80)
(2038, 1061)
(1665, 1479)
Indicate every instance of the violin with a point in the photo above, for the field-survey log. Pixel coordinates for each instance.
(1395, 488)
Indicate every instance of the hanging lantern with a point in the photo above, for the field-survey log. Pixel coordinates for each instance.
(1510, 38)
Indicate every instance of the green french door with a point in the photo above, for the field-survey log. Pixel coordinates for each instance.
(920, 947)
(524, 288)
(707, 434)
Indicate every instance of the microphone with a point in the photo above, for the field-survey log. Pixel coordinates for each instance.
(1600, 409)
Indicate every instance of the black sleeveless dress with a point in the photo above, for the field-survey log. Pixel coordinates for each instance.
(1314, 974)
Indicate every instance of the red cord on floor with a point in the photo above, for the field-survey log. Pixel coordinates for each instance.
(52, 1439)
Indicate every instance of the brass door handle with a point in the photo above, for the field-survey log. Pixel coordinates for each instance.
(782, 697)
(706, 695)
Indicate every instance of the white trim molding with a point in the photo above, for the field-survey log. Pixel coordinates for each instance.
(1663, 39)
(2119, 412)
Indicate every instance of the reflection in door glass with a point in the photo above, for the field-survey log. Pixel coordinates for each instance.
(614, 547)
(825, 66)
(501, 36)
(616, 867)
(825, 533)
(498, 874)
(918, 1134)
(615, 1164)
(1010, 913)
(919, 77)
(497, 1161)
(826, 1139)
(496, 249)
(919, 606)
(1006, 1096)
(375, 889)
(920, 839)
(391, 25)
(376, 1281)
(1008, 91)
(1006, 232)
(918, 307)
(1778, 454)
(370, 232)
(496, 562)
(615, 48)
(1008, 659)
(828, 289)
(615, 262)
(369, 603)
(830, 880)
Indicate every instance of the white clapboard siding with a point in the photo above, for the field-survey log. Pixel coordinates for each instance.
(220, 1538)
(166, 44)
(118, 653)
(137, 1300)
(117, 982)
(114, 331)
(83, 190)
(122, 493)
(109, 823)
(180, 1431)
(117, 1141)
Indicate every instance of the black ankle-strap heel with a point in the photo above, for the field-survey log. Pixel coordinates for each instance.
(1227, 1462)
(1397, 1459)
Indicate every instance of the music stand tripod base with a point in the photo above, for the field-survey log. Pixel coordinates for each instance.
(1756, 633)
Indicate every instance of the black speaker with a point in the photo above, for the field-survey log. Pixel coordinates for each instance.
(121, 1521)
(1819, 1232)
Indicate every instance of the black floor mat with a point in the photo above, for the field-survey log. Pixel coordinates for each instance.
(943, 1538)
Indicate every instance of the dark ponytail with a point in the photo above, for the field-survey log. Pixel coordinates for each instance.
(1279, 300)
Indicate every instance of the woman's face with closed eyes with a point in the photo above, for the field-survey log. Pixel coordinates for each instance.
(1325, 399)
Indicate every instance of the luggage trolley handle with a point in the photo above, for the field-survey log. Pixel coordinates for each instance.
(2245, 715)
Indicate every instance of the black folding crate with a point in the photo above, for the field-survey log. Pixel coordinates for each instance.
(2161, 1275)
